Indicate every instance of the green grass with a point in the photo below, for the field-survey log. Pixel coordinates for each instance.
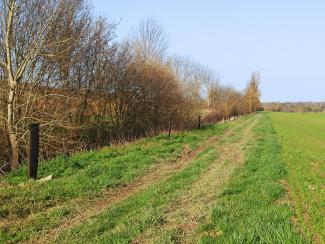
(30, 207)
(286, 153)
(124, 221)
(302, 136)
(249, 210)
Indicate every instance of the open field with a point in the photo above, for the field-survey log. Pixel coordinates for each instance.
(256, 179)
(303, 148)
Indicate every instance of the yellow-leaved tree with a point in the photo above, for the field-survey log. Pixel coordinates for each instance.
(252, 94)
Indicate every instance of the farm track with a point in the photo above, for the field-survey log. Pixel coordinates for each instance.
(161, 172)
(184, 215)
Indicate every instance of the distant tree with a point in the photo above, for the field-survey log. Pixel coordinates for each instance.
(194, 78)
(252, 94)
(224, 101)
(149, 40)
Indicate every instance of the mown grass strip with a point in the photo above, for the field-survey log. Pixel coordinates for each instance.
(122, 222)
(193, 207)
(248, 210)
(84, 176)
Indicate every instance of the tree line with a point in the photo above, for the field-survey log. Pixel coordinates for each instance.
(302, 107)
(63, 68)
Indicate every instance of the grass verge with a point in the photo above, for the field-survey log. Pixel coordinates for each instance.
(28, 208)
(250, 210)
(120, 223)
(125, 221)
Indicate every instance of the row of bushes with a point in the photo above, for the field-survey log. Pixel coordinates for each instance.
(68, 73)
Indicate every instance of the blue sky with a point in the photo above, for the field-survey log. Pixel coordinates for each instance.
(282, 39)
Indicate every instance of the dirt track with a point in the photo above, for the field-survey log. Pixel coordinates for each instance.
(185, 213)
(191, 202)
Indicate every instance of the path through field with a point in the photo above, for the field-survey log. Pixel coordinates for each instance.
(160, 172)
(193, 205)
(185, 213)
(223, 183)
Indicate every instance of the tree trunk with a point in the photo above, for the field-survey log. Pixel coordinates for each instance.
(11, 129)
(14, 151)
(12, 82)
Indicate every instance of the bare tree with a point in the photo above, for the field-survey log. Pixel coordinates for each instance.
(32, 33)
(61, 67)
(195, 79)
(149, 40)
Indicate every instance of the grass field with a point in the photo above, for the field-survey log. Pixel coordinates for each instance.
(259, 179)
(303, 149)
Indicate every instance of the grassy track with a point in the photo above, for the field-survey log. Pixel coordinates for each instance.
(184, 214)
(226, 183)
(145, 211)
(249, 210)
(303, 140)
(27, 209)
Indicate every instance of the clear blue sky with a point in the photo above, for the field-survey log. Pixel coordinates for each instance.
(283, 39)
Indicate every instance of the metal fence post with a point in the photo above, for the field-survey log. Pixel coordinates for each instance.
(33, 150)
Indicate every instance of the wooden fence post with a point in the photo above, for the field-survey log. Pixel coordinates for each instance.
(170, 127)
(199, 125)
(33, 149)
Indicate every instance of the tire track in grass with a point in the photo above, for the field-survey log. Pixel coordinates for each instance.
(123, 221)
(113, 196)
(184, 215)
